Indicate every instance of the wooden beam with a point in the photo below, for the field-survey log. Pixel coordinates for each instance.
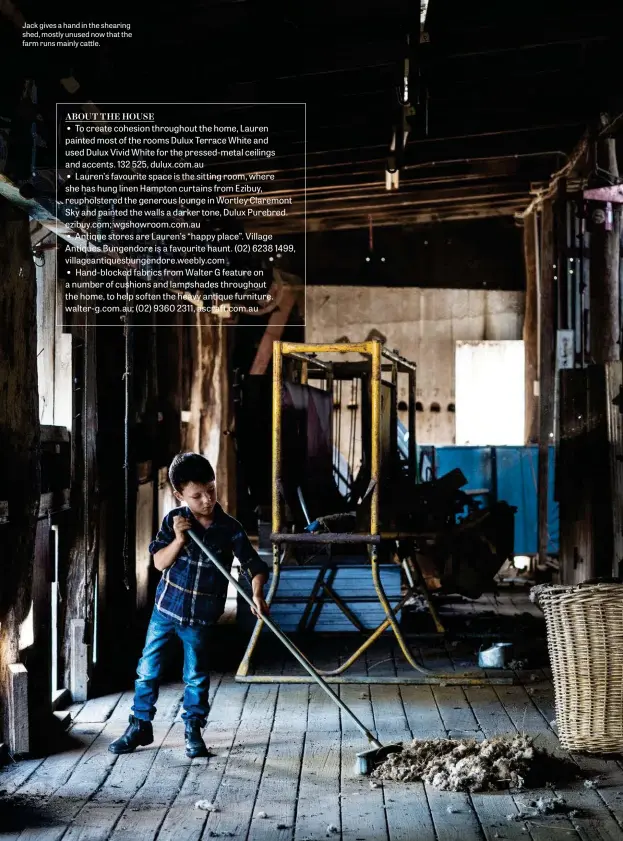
(531, 329)
(577, 157)
(415, 190)
(605, 328)
(613, 194)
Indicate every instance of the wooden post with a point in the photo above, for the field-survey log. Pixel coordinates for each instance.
(605, 349)
(18, 736)
(79, 668)
(83, 541)
(228, 466)
(604, 270)
(547, 372)
(531, 329)
(596, 473)
(37, 658)
(575, 479)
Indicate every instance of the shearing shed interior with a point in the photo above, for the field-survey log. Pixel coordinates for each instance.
(405, 493)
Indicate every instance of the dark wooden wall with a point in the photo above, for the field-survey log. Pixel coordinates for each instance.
(121, 441)
(19, 434)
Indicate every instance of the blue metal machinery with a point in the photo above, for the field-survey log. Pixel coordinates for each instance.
(504, 473)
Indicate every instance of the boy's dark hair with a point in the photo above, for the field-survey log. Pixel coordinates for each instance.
(190, 467)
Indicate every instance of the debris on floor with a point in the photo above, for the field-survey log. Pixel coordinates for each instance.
(206, 806)
(332, 829)
(541, 808)
(262, 815)
(469, 765)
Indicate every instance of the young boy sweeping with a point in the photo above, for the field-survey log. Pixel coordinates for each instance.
(189, 600)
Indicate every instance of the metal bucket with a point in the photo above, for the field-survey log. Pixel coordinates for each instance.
(495, 657)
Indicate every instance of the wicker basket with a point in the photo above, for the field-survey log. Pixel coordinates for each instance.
(585, 641)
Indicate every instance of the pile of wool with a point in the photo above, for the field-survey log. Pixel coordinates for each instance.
(465, 764)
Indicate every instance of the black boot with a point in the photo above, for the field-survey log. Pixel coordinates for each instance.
(138, 733)
(195, 746)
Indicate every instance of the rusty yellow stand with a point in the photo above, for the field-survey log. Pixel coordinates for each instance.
(307, 352)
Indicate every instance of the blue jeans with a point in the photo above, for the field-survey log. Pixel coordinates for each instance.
(195, 640)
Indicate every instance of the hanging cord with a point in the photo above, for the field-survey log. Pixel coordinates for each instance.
(370, 234)
(353, 426)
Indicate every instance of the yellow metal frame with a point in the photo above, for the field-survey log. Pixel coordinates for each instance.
(376, 352)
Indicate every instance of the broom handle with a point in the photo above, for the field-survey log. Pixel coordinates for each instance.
(288, 644)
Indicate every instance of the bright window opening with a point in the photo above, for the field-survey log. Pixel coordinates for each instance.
(490, 393)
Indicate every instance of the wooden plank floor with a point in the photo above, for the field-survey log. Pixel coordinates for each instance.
(283, 764)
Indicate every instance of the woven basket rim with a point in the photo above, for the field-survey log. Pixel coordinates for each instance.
(543, 592)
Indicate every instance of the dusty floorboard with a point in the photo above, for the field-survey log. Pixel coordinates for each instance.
(284, 760)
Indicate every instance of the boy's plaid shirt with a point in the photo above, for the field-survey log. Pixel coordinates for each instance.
(192, 591)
